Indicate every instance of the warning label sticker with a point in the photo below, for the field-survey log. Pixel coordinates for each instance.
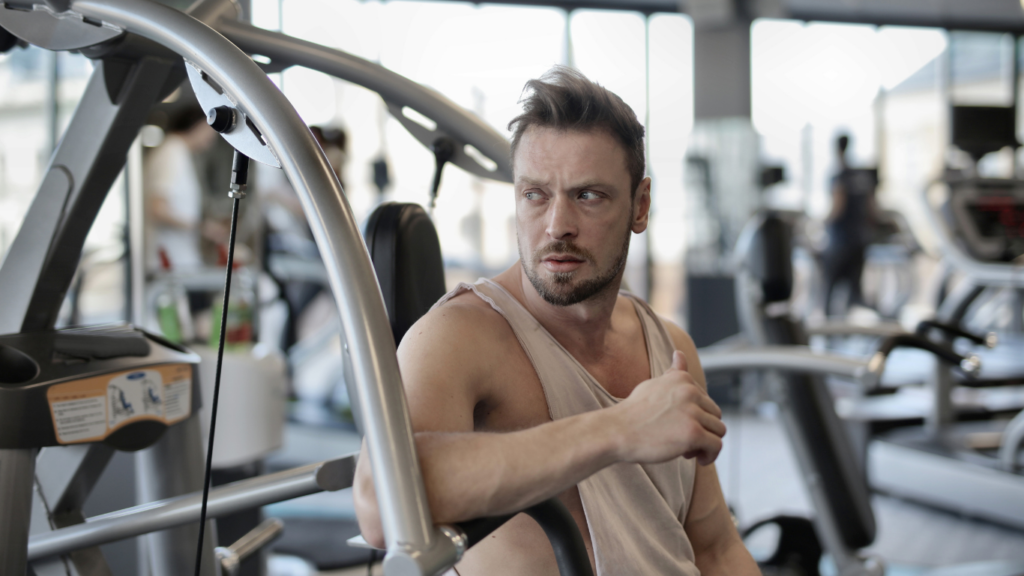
(80, 419)
(90, 409)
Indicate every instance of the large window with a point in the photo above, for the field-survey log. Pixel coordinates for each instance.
(812, 82)
(480, 56)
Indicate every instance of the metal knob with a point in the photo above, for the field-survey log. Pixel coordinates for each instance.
(221, 118)
(971, 366)
(991, 340)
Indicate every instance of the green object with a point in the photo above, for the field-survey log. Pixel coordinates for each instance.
(239, 332)
(167, 316)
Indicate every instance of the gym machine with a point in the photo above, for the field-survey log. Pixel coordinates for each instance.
(830, 462)
(143, 51)
(971, 468)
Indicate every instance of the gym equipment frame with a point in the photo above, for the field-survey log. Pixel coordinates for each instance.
(140, 46)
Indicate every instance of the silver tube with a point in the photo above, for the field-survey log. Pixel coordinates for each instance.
(394, 88)
(783, 358)
(405, 515)
(242, 495)
(838, 328)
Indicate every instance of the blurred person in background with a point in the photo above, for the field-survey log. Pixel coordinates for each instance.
(849, 227)
(174, 193)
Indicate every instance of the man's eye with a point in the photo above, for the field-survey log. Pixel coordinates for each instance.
(532, 195)
(587, 195)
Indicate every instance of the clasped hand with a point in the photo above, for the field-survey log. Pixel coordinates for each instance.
(670, 416)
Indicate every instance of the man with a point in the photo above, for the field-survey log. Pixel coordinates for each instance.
(850, 226)
(547, 381)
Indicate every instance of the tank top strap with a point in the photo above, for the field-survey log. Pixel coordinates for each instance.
(659, 342)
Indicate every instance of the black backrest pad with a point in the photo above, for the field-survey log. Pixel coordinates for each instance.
(834, 459)
(406, 255)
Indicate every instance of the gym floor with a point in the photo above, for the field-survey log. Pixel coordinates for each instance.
(759, 477)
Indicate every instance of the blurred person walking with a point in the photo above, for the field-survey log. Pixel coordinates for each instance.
(849, 227)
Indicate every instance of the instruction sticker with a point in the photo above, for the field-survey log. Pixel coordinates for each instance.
(91, 409)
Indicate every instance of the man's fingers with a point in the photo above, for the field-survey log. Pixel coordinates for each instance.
(711, 424)
(707, 404)
(706, 448)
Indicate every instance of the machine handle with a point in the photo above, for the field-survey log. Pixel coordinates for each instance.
(558, 524)
(989, 340)
(231, 557)
(971, 365)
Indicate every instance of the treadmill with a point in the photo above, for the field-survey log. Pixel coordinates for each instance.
(971, 467)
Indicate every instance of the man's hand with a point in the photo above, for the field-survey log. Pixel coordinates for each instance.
(669, 416)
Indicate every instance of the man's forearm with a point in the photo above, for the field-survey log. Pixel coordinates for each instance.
(472, 475)
(476, 474)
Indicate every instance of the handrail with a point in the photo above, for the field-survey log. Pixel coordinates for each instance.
(786, 359)
(228, 499)
(414, 543)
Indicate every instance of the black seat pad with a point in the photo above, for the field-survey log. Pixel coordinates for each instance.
(406, 255)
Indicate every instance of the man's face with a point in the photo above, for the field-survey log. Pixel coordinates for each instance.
(574, 212)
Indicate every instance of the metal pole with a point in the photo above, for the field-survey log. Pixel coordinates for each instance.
(135, 235)
(17, 470)
(173, 467)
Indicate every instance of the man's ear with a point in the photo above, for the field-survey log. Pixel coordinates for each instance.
(641, 206)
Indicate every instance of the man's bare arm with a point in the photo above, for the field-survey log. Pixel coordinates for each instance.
(472, 474)
(717, 545)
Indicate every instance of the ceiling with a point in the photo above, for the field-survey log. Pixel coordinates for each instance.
(991, 15)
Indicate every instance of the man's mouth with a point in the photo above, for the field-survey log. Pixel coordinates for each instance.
(561, 263)
(562, 258)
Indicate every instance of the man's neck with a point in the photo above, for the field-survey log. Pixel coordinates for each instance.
(582, 328)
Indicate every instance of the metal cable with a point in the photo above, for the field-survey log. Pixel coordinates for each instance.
(238, 177)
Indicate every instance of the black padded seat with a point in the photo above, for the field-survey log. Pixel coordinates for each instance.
(406, 255)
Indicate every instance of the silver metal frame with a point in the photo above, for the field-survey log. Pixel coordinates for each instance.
(413, 542)
(415, 545)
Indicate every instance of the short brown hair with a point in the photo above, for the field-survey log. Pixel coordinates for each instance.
(565, 99)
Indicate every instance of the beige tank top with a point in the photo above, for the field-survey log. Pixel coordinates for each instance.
(635, 512)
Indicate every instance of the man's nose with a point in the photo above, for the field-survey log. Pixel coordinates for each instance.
(562, 222)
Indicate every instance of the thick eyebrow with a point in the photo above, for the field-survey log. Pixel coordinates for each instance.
(591, 184)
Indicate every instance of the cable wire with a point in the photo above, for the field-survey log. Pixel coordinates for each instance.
(238, 176)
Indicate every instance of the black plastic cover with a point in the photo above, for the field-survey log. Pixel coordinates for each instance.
(32, 363)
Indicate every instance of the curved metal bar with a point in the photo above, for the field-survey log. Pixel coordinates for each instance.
(394, 88)
(784, 358)
(412, 538)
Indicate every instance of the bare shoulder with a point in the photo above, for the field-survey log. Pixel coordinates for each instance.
(684, 343)
(463, 324)
(448, 359)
